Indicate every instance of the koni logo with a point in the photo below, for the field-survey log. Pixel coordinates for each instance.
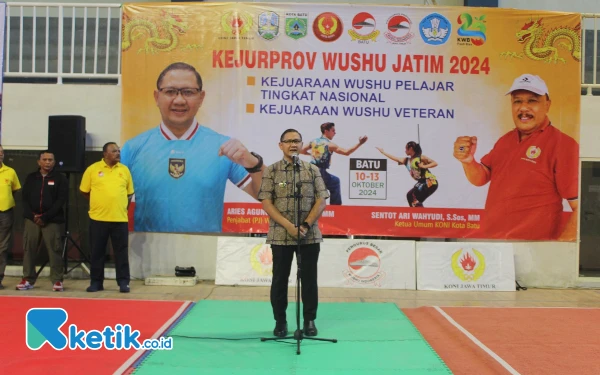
(468, 264)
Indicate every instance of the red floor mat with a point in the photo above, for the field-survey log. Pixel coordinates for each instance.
(549, 341)
(151, 318)
(459, 353)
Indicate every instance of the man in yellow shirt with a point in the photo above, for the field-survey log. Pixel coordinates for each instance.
(9, 183)
(109, 187)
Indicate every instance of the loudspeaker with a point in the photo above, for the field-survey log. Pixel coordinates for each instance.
(66, 139)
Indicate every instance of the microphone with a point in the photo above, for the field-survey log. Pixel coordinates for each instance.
(296, 159)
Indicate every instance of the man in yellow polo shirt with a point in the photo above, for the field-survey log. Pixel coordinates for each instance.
(109, 187)
(9, 183)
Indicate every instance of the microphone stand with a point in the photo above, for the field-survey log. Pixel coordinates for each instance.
(298, 334)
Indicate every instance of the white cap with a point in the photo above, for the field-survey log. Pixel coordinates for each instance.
(531, 83)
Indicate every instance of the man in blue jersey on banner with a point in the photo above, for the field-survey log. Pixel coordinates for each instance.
(321, 150)
(181, 168)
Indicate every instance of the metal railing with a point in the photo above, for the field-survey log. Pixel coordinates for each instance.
(63, 40)
(589, 61)
(69, 40)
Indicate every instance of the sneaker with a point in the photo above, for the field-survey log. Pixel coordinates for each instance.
(124, 288)
(58, 286)
(24, 285)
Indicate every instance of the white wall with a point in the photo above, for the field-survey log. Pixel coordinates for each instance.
(590, 127)
(158, 253)
(547, 264)
(537, 264)
(26, 108)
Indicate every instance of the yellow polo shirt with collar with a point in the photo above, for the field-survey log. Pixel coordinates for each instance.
(108, 188)
(9, 182)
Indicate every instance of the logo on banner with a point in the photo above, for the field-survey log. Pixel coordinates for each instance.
(472, 30)
(533, 152)
(533, 36)
(296, 25)
(150, 32)
(236, 24)
(363, 28)
(261, 260)
(399, 29)
(328, 27)
(435, 29)
(176, 168)
(468, 265)
(364, 264)
(268, 25)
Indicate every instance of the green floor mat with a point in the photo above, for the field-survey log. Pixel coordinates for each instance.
(372, 338)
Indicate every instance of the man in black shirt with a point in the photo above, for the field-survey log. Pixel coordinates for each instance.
(44, 194)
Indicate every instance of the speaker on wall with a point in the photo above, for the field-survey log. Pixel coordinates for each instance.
(66, 139)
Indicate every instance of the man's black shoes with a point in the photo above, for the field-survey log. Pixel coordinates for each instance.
(94, 287)
(310, 329)
(124, 288)
(281, 329)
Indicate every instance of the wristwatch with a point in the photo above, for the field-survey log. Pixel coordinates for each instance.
(305, 224)
(258, 166)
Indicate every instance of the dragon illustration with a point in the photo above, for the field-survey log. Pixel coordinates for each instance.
(162, 36)
(540, 44)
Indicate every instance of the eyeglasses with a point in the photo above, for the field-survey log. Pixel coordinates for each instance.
(294, 141)
(173, 92)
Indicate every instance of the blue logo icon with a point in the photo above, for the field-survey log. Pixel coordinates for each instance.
(435, 29)
(43, 326)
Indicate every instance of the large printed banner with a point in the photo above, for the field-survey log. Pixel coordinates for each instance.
(465, 266)
(342, 263)
(449, 122)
